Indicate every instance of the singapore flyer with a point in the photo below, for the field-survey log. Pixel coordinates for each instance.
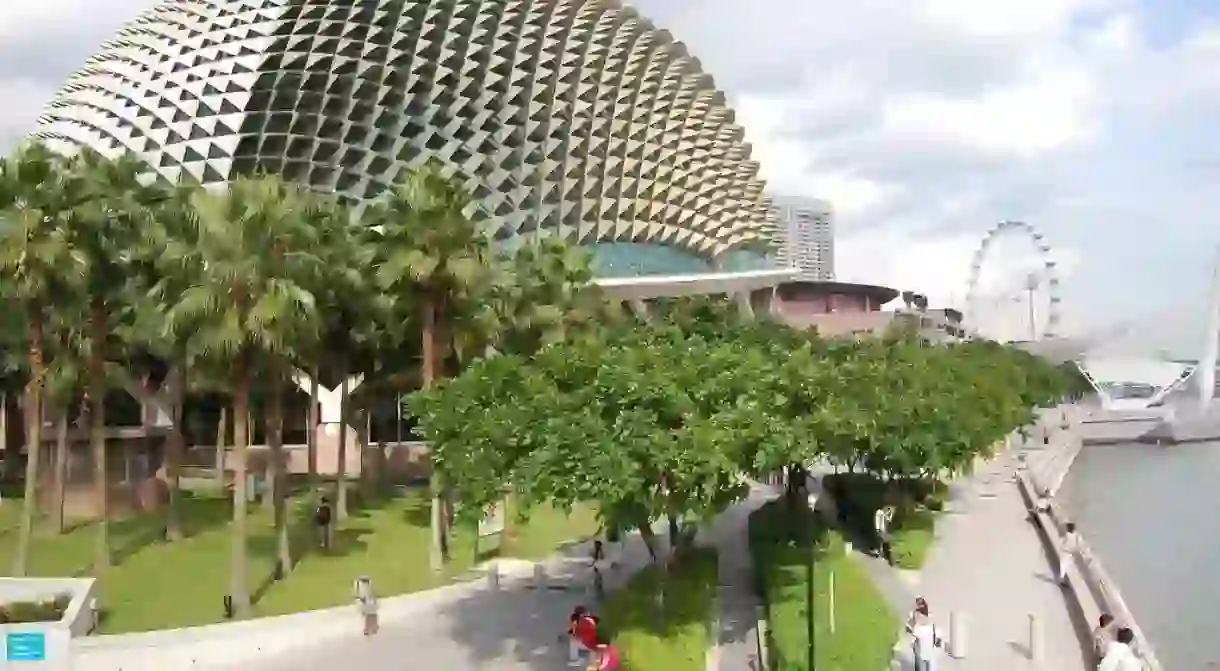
(1013, 291)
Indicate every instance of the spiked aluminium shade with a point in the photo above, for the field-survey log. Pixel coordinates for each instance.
(577, 117)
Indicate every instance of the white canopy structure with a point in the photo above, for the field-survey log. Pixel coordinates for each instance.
(1133, 383)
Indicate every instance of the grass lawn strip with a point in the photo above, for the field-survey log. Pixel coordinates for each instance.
(158, 585)
(865, 627)
(676, 639)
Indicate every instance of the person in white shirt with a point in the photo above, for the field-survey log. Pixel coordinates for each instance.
(881, 523)
(1068, 547)
(924, 639)
(1119, 655)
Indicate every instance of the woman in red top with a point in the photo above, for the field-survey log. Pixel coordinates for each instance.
(582, 628)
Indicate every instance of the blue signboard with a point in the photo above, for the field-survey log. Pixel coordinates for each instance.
(25, 646)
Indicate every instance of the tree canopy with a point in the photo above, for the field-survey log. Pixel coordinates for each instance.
(669, 416)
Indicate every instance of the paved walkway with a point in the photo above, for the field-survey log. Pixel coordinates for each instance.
(989, 564)
(737, 641)
(517, 628)
(513, 628)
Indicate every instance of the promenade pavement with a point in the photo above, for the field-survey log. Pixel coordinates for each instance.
(737, 639)
(989, 565)
(516, 627)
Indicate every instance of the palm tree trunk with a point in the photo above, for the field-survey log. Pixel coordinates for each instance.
(269, 479)
(33, 440)
(311, 435)
(173, 455)
(341, 467)
(222, 432)
(10, 455)
(436, 549)
(61, 471)
(238, 584)
(96, 390)
(278, 491)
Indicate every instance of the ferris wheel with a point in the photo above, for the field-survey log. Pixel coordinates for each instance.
(1039, 285)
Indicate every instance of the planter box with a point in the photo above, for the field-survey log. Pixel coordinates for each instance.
(45, 646)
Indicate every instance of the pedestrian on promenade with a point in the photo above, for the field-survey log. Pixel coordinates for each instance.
(322, 524)
(1119, 655)
(606, 656)
(1103, 635)
(582, 636)
(366, 602)
(1068, 547)
(1042, 505)
(882, 519)
(924, 639)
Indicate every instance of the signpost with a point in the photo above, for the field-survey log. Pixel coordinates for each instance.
(25, 646)
(491, 525)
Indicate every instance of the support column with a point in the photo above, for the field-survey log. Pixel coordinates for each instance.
(742, 299)
(1211, 344)
(639, 308)
(327, 431)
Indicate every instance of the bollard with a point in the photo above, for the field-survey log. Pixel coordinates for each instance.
(957, 635)
(1035, 639)
(539, 576)
(493, 575)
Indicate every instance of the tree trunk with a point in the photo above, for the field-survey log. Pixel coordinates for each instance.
(11, 456)
(278, 490)
(61, 471)
(269, 479)
(238, 584)
(311, 436)
(650, 540)
(175, 448)
(222, 432)
(436, 556)
(341, 466)
(33, 440)
(96, 391)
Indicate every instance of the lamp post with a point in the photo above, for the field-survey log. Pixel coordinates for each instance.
(809, 543)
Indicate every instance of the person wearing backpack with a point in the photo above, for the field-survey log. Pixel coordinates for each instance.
(322, 523)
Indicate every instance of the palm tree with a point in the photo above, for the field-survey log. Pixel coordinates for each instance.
(433, 254)
(61, 393)
(105, 227)
(38, 269)
(247, 303)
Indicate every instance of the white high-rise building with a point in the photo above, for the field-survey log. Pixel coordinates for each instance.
(807, 239)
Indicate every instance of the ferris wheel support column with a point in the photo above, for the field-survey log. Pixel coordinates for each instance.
(1211, 342)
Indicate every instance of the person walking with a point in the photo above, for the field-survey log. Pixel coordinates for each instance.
(1103, 635)
(1068, 547)
(366, 602)
(322, 524)
(924, 638)
(882, 519)
(1119, 654)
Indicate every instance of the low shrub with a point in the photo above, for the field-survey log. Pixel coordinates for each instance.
(672, 634)
(45, 610)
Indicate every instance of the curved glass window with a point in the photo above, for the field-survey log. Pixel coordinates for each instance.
(740, 260)
(636, 259)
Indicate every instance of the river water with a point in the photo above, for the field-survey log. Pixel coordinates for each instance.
(1152, 514)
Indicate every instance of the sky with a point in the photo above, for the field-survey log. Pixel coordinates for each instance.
(924, 122)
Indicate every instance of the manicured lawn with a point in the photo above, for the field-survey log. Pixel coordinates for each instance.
(156, 584)
(676, 639)
(865, 628)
